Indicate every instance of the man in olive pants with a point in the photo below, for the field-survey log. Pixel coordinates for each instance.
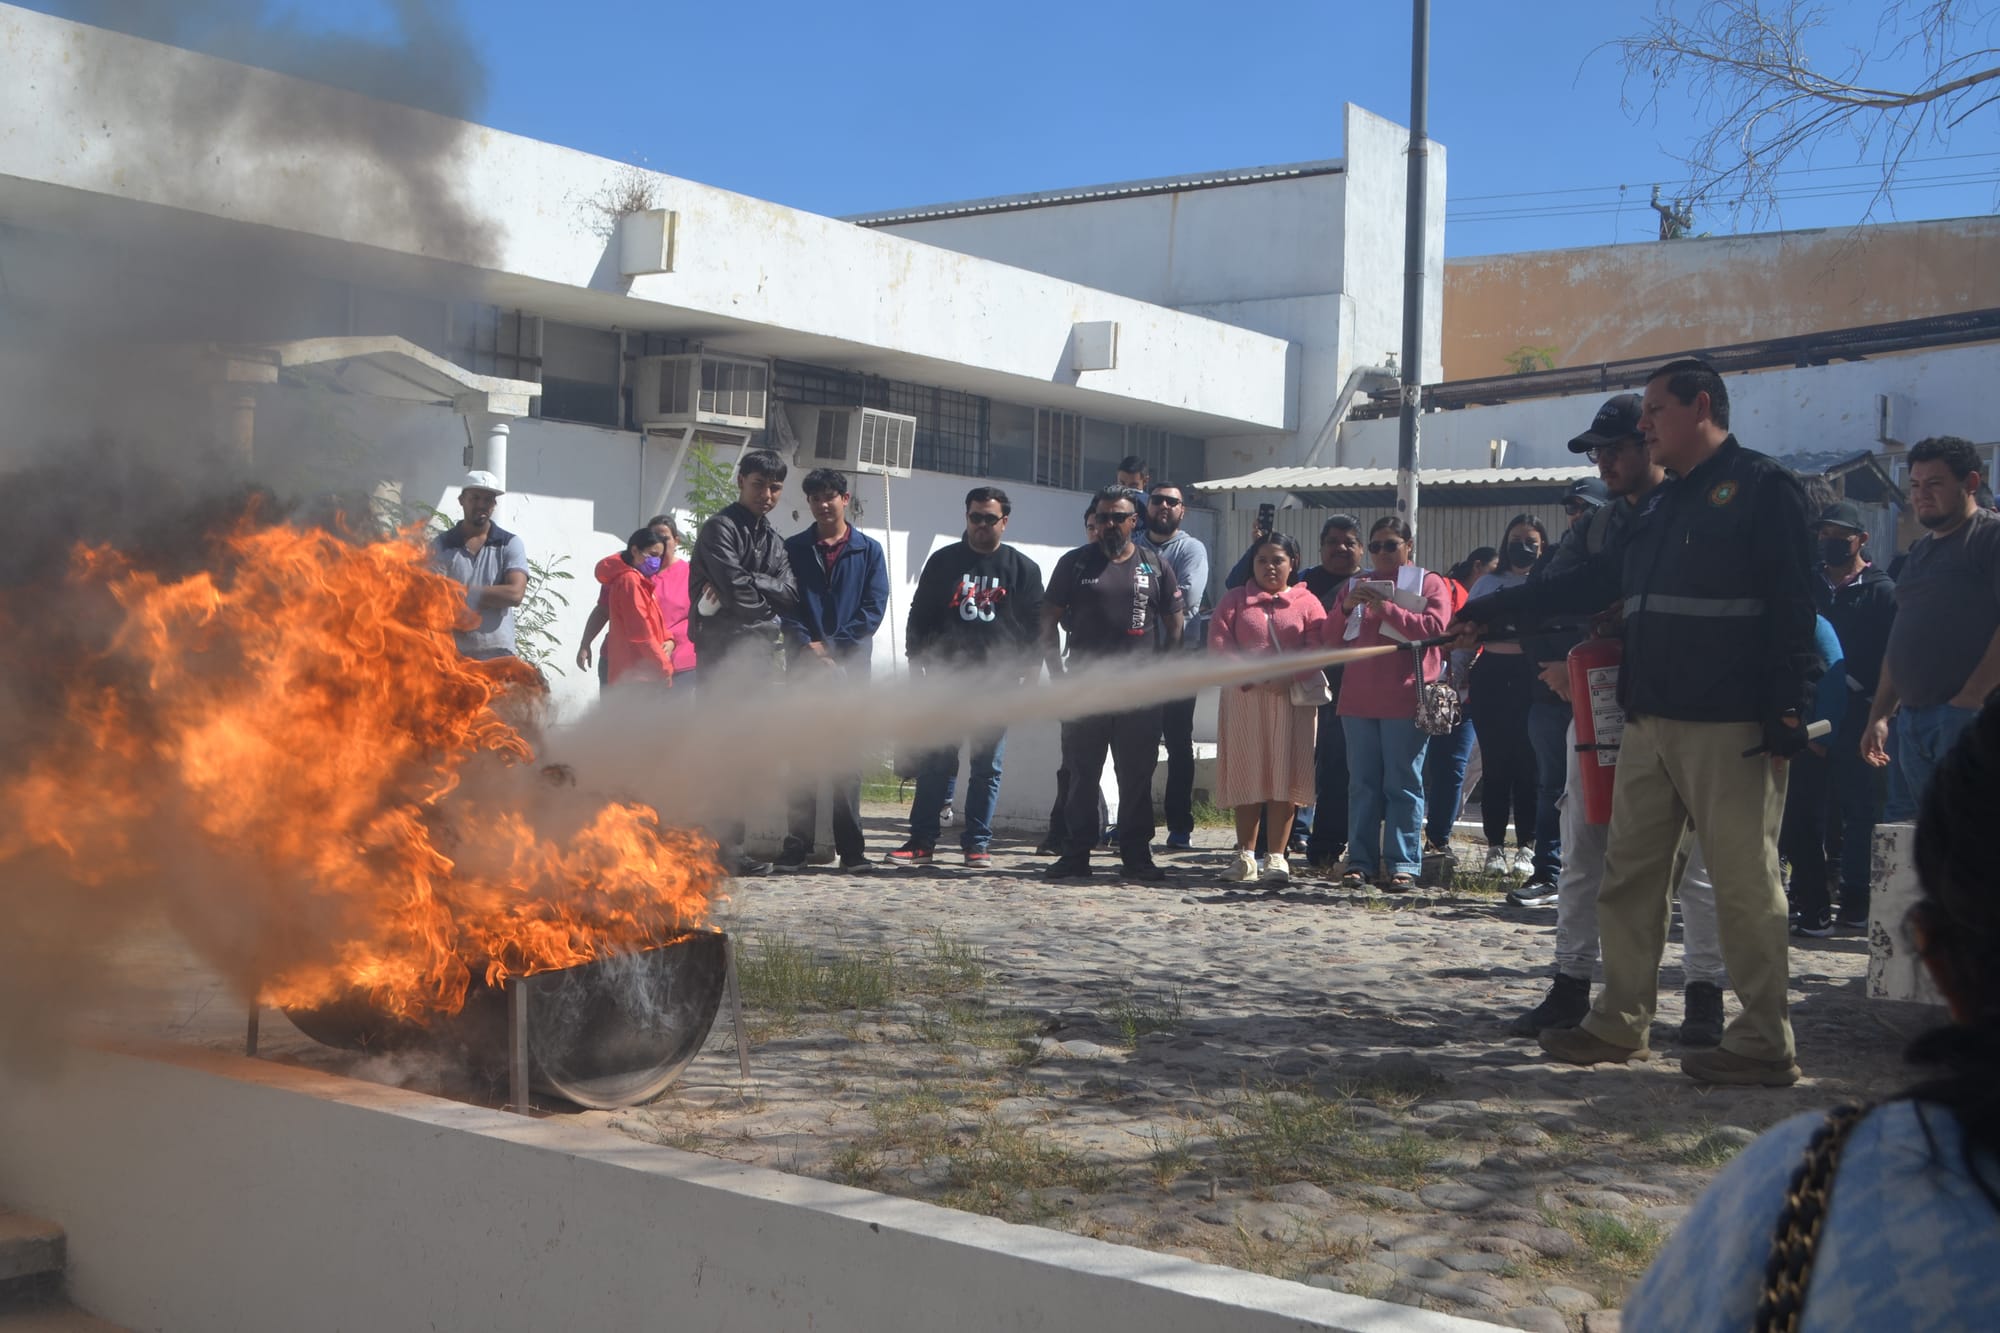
(1658, 761)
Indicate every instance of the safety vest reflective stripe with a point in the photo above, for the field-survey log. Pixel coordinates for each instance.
(1669, 605)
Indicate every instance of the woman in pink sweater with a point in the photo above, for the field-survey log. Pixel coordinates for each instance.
(1395, 602)
(1264, 741)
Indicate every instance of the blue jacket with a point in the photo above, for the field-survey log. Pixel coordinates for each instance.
(1830, 693)
(843, 611)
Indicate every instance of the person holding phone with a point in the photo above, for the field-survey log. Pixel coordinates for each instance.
(1394, 602)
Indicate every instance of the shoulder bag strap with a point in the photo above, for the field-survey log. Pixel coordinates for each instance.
(1788, 1272)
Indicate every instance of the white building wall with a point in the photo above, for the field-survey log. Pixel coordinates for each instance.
(89, 129)
(1318, 261)
(1245, 242)
(1782, 411)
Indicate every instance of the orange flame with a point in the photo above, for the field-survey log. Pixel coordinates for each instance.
(294, 725)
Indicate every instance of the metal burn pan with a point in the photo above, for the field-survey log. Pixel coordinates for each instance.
(610, 1033)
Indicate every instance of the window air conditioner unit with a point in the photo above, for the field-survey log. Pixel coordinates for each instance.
(859, 439)
(700, 389)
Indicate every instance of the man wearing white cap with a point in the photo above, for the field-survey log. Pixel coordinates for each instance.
(490, 561)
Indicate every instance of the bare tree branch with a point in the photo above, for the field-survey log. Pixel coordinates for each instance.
(1770, 86)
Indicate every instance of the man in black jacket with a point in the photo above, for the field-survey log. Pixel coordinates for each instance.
(1715, 578)
(978, 605)
(1860, 604)
(740, 582)
(740, 586)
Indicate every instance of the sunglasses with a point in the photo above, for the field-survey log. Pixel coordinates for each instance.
(982, 520)
(1574, 507)
(1383, 548)
(1170, 500)
(1125, 517)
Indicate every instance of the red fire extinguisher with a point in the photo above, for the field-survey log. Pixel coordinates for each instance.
(1600, 722)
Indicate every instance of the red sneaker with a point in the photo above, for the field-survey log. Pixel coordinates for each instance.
(910, 854)
(979, 860)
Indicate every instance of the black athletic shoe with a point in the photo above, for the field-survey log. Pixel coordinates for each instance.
(1069, 867)
(1703, 1024)
(745, 868)
(1144, 871)
(858, 866)
(1817, 928)
(793, 858)
(1564, 1006)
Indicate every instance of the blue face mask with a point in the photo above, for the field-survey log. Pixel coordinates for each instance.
(650, 566)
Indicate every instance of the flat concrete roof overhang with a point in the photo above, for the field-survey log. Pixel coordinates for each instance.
(95, 150)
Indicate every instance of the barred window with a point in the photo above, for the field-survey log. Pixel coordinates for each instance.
(951, 427)
(1058, 449)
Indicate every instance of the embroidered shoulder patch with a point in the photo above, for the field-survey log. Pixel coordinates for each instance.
(1724, 492)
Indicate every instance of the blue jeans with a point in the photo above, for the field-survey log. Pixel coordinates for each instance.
(982, 793)
(1924, 737)
(1385, 802)
(1548, 732)
(1444, 779)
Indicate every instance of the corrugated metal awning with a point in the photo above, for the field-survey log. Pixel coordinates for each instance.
(1376, 478)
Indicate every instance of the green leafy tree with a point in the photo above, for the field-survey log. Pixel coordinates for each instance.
(711, 486)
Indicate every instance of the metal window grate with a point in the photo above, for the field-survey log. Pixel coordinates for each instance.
(951, 427)
(490, 341)
(1058, 448)
(830, 442)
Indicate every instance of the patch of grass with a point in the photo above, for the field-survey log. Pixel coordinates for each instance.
(1002, 1161)
(1393, 1089)
(1171, 1157)
(1400, 1161)
(1708, 1150)
(1135, 1014)
(1209, 815)
(1289, 1134)
(881, 784)
(856, 1164)
(949, 965)
(782, 976)
(1618, 1244)
(953, 1021)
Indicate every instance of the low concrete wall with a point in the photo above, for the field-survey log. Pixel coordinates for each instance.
(207, 1192)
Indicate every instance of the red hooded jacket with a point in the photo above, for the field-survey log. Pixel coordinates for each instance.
(635, 645)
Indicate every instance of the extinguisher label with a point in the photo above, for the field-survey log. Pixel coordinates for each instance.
(1607, 719)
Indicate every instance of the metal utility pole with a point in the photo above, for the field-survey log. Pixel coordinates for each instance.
(1413, 261)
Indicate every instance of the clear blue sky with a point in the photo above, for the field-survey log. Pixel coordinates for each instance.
(873, 104)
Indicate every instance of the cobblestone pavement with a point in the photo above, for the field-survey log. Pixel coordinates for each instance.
(1307, 1083)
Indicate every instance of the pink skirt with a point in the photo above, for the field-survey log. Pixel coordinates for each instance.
(1263, 749)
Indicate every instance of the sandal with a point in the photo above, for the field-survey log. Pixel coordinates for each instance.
(1398, 884)
(1354, 879)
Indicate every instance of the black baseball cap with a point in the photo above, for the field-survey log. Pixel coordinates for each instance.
(1615, 422)
(1590, 491)
(1841, 514)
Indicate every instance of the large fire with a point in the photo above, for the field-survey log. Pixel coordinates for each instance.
(293, 721)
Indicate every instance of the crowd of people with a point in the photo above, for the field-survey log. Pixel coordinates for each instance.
(1779, 693)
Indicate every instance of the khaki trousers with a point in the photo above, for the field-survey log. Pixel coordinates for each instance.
(1670, 774)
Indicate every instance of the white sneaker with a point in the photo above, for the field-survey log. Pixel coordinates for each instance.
(1277, 870)
(1524, 862)
(1497, 862)
(1243, 868)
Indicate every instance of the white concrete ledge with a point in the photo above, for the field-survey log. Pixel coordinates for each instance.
(208, 1192)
